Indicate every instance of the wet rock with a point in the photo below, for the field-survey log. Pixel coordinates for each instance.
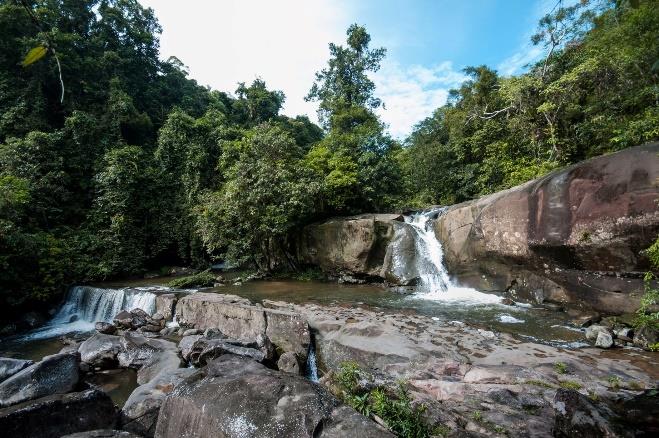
(151, 328)
(165, 304)
(177, 271)
(123, 319)
(55, 374)
(645, 337)
(190, 332)
(594, 330)
(586, 320)
(237, 397)
(59, 414)
(604, 340)
(10, 366)
(624, 333)
(105, 328)
(157, 316)
(139, 318)
(289, 363)
(168, 331)
(576, 416)
(140, 412)
(32, 320)
(100, 350)
(641, 413)
(102, 433)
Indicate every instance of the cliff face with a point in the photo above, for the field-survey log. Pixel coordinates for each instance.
(574, 236)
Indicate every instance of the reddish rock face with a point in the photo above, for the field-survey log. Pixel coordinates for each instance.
(574, 236)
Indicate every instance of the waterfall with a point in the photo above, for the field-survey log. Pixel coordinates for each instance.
(434, 282)
(85, 305)
(312, 367)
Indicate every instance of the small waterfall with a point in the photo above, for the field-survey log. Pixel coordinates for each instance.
(85, 305)
(312, 368)
(434, 282)
(429, 254)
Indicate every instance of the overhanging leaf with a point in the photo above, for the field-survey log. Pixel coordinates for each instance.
(34, 55)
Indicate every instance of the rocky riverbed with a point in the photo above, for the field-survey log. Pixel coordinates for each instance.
(234, 368)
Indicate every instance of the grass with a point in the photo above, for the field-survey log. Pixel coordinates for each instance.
(560, 368)
(569, 384)
(539, 383)
(394, 407)
(202, 279)
(614, 382)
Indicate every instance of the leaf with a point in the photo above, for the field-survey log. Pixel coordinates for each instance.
(34, 55)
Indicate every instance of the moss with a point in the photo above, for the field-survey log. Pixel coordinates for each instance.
(202, 279)
(539, 383)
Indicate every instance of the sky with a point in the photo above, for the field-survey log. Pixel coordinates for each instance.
(285, 42)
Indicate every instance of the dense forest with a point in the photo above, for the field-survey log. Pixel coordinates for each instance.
(114, 162)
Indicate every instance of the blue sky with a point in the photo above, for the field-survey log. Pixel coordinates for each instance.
(285, 42)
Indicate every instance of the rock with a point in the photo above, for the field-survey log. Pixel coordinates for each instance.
(641, 413)
(168, 331)
(558, 234)
(101, 351)
(124, 319)
(165, 304)
(149, 356)
(177, 271)
(157, 316)
(102, 433)
(151, 328)
(586, 320)
(624, 333)
(604, 340)
(237, 397)
(186, 345)
(59, 414)
(289, 363)
(105, 328)
(190, 332)
(10, 366)
(594, 330)
(236, 317)
(56, 374)
(577, 416)
(399, 267)
(139, 318)
(288, 330)
(204, 350)
(32, 320)
(140, 412)
(645, 337)
(351, 245)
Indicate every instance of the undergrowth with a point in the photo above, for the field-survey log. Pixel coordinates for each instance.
(645, 316)
(393, 406)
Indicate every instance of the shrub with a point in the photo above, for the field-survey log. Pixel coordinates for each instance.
(202, 279)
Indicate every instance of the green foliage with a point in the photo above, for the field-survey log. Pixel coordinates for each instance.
(569, 384)
(539, 383)
(594, 92)
(201, 279)
(646, 315)
(560, 367)
(395, 407)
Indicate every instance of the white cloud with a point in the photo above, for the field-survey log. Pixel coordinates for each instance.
(230, 41)
(518, 62)
(413, 93)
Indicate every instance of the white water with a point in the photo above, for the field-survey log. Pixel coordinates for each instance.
(434, 282)
(86, 305)
(312, 367)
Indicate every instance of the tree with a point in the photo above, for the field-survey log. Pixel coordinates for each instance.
(345, 82)
(267, 194)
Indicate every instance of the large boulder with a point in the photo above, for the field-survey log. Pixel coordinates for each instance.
(237, 397)
(574, 236)
(399, 267)
(59, 414)
(10, 366)
(56, 374)
(140, 412)
(100, 350)
(576, 415)
(353, 245)
(237, 318)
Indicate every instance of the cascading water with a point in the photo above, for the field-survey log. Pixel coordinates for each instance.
(312, 367)
(85, 305)
(434, 282)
